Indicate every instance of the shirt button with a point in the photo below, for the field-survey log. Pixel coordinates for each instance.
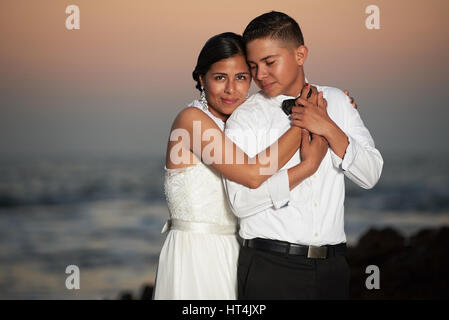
(316, 234)
(315, 204)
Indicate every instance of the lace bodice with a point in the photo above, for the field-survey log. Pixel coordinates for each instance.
(196, 193)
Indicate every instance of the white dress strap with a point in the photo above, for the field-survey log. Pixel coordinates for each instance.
(220, 123)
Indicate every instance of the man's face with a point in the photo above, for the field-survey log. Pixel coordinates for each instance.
(276, 67)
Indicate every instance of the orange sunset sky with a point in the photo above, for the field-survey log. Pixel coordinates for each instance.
(115, 85)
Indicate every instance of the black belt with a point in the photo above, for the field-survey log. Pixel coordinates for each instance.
(312, 252)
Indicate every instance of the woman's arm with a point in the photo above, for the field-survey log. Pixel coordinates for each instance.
(275, 192)
(199, 137)
(191, 137)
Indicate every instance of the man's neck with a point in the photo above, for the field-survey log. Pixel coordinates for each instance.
(295, 89)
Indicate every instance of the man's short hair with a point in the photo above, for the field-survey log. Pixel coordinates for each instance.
(274, 25)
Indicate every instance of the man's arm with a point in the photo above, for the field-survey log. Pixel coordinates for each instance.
(275, 192)
(242, 128)
(352, 147)
(362, 163)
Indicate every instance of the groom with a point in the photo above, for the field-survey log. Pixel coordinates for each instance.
(292, 226)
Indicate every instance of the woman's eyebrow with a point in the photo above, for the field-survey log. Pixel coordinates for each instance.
(225, 74)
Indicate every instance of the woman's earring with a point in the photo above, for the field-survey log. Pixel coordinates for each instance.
(203, 100)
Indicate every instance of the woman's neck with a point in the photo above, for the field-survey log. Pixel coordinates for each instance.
(219, 115)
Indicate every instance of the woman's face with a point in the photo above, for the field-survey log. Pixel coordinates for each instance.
(226, 84)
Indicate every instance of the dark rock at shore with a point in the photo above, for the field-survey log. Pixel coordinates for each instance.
(126, 295)
(409, 268)
(414, 268)
(145, 294)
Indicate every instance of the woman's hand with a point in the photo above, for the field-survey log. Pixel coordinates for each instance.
(310, 93)
(313, 150)
(312, 116)
(351, 99)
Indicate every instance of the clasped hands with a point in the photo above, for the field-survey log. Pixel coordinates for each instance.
(311, 116)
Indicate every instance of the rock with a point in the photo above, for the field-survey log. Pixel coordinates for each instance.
(378, 245)
(126, 295)
(414, 268)
(147, 293)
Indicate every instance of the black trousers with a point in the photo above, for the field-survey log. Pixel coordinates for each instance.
(269, 275)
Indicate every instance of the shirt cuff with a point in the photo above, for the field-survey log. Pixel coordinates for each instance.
(348, 158)
(279, 188)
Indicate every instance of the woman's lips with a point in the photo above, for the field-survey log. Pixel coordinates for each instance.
(229, 101)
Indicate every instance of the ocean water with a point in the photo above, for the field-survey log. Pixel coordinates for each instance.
(104, 215)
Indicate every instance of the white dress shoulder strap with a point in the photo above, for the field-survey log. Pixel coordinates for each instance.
(197, 104)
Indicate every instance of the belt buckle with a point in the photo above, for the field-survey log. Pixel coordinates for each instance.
(317, 252)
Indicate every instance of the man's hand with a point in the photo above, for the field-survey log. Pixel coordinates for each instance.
(310, 93)
(312, 150)
(315, 119)
(312, 116)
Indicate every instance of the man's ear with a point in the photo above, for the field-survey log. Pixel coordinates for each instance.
(301, 54)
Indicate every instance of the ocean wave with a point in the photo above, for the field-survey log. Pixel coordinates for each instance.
(411, 197)
(47, 183)
(417, 185)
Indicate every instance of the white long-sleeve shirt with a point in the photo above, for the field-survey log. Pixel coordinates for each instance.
(313, 212)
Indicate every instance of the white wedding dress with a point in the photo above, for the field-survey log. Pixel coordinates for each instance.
(199, 257)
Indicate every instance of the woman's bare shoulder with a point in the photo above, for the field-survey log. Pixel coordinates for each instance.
(187, 116)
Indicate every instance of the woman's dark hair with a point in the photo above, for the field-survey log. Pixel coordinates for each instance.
(219, 47)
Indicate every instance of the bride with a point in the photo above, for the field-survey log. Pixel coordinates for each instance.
(199, 257)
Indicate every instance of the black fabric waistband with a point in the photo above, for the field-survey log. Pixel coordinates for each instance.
(312, 252)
